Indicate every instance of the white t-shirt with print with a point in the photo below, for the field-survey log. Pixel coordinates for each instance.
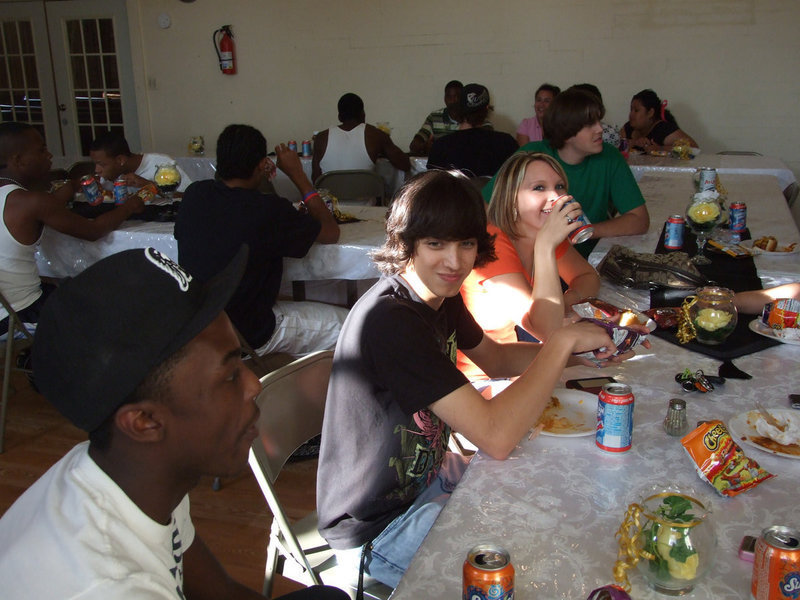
(75, 534)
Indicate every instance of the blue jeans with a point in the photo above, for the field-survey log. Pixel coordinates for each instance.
(396, 545)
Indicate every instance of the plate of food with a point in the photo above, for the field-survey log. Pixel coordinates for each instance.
(569, 413)
(752, 429)
(758, 326)
(770, 245)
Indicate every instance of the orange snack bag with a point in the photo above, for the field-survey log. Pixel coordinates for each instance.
(720, 461)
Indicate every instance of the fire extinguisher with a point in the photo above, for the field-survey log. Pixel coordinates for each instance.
(226, 51)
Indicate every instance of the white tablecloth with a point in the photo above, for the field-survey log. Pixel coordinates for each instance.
(557, 502)
(60, 255)
(724, 164)
(204, 167)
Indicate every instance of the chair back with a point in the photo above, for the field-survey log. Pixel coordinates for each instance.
(353, 186)
(292, 403)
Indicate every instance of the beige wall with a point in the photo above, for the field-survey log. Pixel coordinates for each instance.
(729, 68)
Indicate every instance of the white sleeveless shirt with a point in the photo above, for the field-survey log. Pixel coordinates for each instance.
(346, 150)
(19, 275)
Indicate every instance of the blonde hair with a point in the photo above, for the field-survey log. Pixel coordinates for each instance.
(503, 211)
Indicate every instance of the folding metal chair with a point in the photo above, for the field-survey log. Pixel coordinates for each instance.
(354, 187)
(10, 348)
(292, 403)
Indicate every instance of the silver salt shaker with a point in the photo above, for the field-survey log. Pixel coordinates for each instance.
(676, 423)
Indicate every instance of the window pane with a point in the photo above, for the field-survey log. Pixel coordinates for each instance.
(94, 71)
(99, 114)
(15, 66)
(31, 76)
(10, 33)
(36, 115)
(34, 99)
(26, 37)
(3, 75)
(5, 105)
(20, 106)
(78, 72)
(107, 35)
(82, 106)
(74, 37)
(86, 139)
(110, 69)
(114, 110)
(90, 35)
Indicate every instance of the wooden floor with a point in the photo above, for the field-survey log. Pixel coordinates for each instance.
(234, 521)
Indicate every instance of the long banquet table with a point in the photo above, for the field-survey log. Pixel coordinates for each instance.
(557, 502)
(60, 255)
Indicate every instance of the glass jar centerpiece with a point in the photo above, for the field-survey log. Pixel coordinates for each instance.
(668, 535)
(703, 213)
(713, 314)
(167, 179)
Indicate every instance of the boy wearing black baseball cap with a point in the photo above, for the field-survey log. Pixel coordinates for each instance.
(140, 355)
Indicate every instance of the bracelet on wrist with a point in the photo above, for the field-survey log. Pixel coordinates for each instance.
(310, 194)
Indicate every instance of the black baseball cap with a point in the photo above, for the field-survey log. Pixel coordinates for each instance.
(102, 332)
(474, 97)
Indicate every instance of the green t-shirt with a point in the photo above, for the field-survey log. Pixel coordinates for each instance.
(602, 183)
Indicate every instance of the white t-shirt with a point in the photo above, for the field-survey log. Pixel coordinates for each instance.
(75, 534)
(346, 150)
(19, 275)
(147, 169)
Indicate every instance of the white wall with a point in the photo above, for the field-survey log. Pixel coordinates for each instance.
(729, 68)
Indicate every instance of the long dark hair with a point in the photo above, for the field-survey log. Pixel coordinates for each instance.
(649, 99)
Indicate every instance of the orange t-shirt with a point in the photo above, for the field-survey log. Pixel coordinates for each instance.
(480, 303)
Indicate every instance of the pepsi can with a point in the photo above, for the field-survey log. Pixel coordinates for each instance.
(306, 148)
(738, 217)
(614, 418)
(91, 189)
(120, 190)
(673, 233)
(582, 233)
(292, 145)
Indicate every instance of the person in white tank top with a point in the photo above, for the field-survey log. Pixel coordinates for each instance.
(354, 144)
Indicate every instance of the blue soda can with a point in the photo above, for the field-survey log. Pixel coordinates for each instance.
(292, 145)
(673, 234)
(582, 233)
(120, 190)
(614, 418)
(738, 217)
(91, 189)
(306, 147)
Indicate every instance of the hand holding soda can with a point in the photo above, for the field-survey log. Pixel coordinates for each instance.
(585, 229)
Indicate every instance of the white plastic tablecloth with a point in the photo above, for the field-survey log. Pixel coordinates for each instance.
(60, 255)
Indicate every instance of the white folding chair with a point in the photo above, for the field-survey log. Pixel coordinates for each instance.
(292, 403)
(18, 339)
(353, 186)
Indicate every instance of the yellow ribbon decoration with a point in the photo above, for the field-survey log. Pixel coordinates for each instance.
(686, 331)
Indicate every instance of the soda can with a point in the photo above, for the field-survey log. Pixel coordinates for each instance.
(582, 233)
(673, 234)
(91, 189)
(488, 574)
(614, 418)
(776, 564)
(148, 192)
(292, 145)
(738, 217)
(120, 190)
(707, 179)
(306, 147)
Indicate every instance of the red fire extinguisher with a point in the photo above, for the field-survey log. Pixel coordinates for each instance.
(226, 51)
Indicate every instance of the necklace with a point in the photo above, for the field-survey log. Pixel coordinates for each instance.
(14, 181)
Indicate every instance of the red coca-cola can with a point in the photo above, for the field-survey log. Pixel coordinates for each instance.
(488, 573)
(776, 565)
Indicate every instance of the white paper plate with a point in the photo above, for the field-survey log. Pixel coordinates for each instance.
(756, 250)
(579, 408)
(742, 427)
(758, 326)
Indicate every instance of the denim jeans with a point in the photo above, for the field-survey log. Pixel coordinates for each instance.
(396, 545)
